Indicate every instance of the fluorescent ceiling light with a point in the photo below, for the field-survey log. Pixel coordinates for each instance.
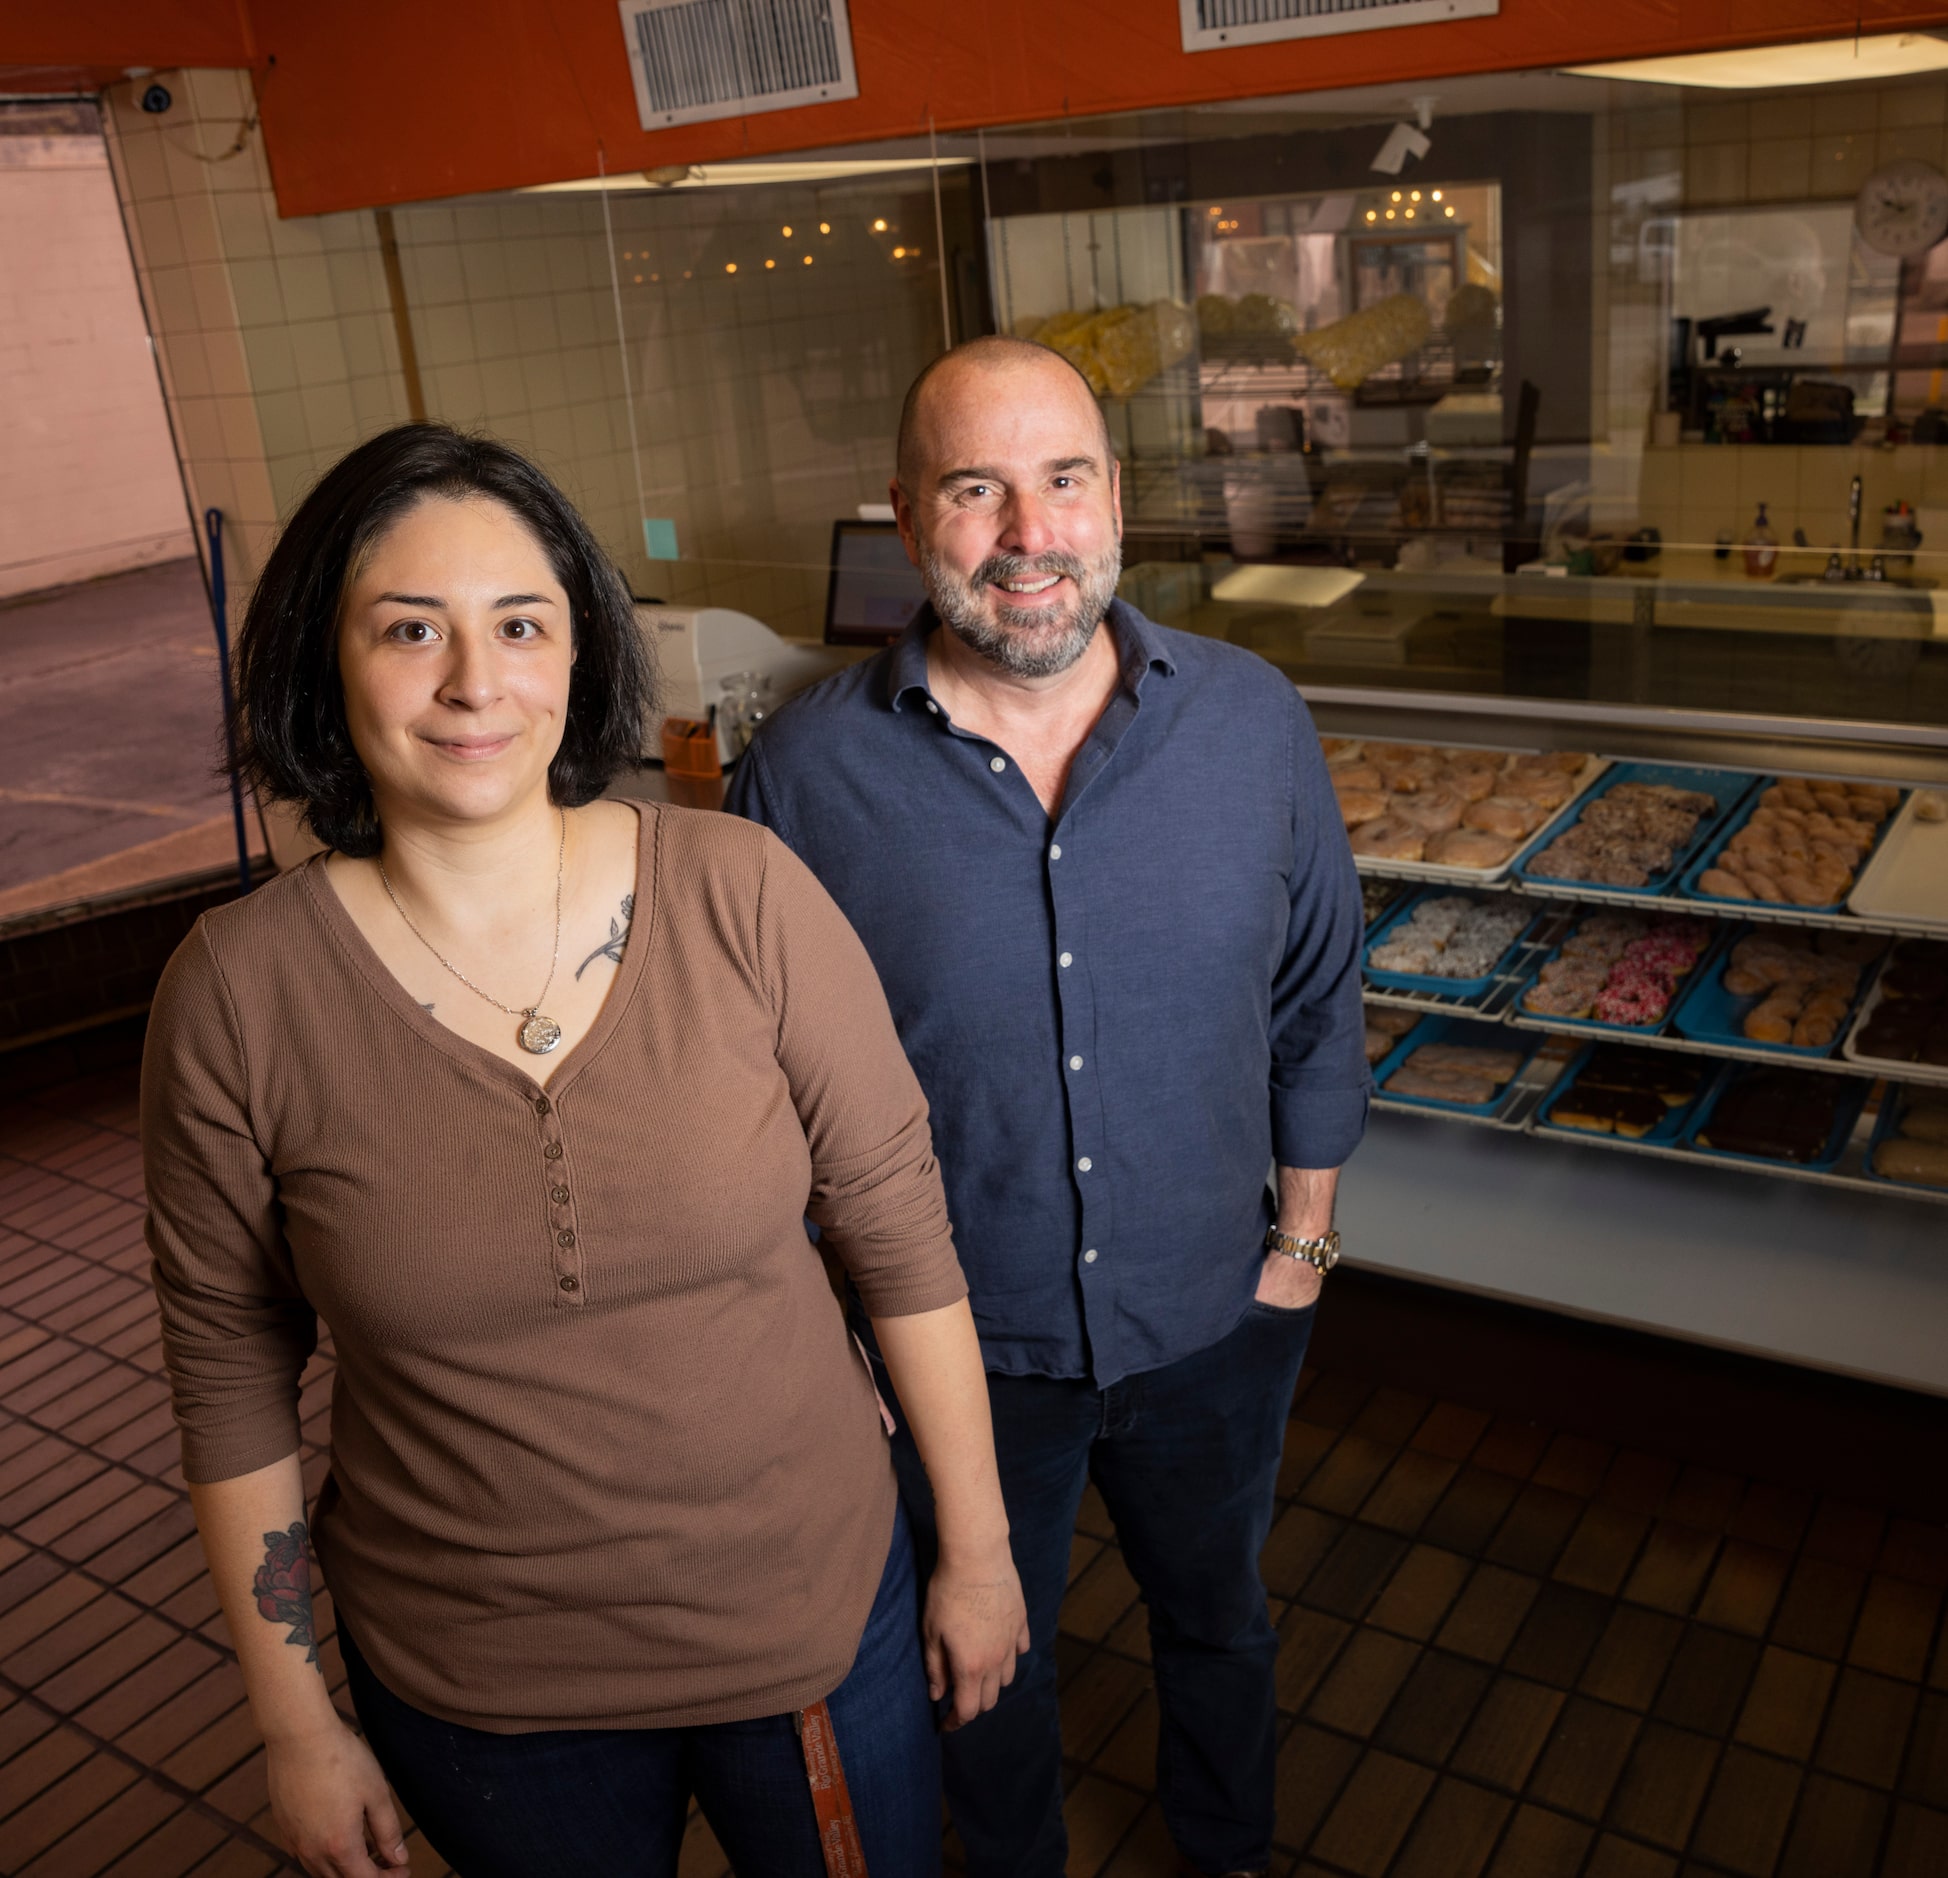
(1813, 62)
(748, 175)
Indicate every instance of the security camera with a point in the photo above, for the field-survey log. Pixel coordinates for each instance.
(156, 99)
(1403, 141)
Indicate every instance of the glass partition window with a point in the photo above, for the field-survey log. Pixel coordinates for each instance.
(1618, 393)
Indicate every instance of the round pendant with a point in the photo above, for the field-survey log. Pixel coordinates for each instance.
(539, 1034)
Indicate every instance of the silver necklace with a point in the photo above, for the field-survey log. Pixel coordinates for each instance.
(538, 1034)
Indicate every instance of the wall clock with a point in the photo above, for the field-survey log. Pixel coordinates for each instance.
(1903, 208)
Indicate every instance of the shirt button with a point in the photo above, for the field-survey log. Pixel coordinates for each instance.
(933, 707)
(1075, 1062)
(559, 1195)
(1067, 958)
(541, 1105)
(552, 1150)
(570, 1284)
(1054, 851)
(997, 764)
(1084, 1164)
(565, 1237)
(1089, 1257)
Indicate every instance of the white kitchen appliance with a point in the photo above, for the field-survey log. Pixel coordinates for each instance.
(698, 648)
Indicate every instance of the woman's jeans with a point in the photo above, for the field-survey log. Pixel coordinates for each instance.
(571, 1803)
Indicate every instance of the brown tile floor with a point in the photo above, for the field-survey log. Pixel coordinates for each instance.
(1508, 1649)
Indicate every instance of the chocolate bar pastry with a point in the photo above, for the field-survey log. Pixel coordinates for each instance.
(1910, 1023)
(1776, 1114)
(1626, 1092)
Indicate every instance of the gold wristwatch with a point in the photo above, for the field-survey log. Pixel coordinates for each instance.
(1321, 1254)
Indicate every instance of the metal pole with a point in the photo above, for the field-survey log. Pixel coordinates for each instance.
(213, 529)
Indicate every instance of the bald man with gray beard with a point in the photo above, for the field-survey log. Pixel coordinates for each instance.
(1101, 872)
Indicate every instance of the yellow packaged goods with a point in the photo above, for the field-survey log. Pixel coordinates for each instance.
(1151, 339)
(1121, 348)
(1470, 308)
(1351, 350)
(1259, 313)
(1216, 314)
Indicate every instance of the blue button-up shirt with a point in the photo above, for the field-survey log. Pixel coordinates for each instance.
(1120, 1016)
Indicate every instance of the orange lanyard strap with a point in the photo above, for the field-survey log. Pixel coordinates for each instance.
(838, 1832)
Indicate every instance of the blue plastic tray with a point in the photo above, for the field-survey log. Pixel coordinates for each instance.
(1665, 1134)
(1382, 919)
(1708, 1013)
(1727, 787)
(1428, 981)
(1853, 1098)
(1893, 1104)
(1478, 1032)
(1705, 859)
(1707, 962)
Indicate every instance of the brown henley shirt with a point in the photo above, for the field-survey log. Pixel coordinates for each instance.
(602, 1452)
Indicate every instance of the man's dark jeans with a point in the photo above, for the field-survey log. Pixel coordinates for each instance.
(1186, 1459)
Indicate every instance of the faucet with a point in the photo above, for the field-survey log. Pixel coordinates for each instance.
(1854, 492)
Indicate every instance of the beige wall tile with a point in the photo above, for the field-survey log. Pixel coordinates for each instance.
(1841, 164)
(172, 301)
(493, 329)
(1924, 141)
(216, 311)
(281, 419)
(1780, 169)
(318, 352)
(305, 283)
(1839, 108)
(259, 296)
(228, 366)
(485, 266)
(1714, 121)
(330, 419)
(433, 275)
(241, 437)
(272, 364)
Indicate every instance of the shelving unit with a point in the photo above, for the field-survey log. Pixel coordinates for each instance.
(1836, 1270)
(1525, 1097)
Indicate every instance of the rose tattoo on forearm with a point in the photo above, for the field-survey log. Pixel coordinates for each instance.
(282, 1586)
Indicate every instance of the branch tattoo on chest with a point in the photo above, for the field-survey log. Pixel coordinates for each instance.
(611, 948)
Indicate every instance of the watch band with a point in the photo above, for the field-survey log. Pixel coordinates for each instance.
(1321, 1254)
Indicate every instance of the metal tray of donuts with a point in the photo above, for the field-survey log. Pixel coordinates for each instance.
(1875, 807)
(1847, 1094)
(1469, 1034)
(1905, 884)
(1727, 788)
(1477, 986)
(1362, 772)
(1899, 1125)
(1715, 1012)
(1678, 1105)
(1685, 976)
(1915, 995)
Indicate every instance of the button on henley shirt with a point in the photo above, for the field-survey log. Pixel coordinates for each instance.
(602, 1452)
(1120, 1016)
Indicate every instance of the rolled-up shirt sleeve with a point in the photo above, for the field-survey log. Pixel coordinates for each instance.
(1320, 1082)
(236, 1327)
(876, 1193)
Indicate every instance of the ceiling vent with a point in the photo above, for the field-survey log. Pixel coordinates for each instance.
(1209, 24)
(698, 59)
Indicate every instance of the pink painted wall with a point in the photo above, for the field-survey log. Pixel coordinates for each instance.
(88, 478)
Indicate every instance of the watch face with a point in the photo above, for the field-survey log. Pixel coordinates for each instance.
(1903, 208)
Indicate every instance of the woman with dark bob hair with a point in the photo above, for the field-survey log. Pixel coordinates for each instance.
(526, 1095)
